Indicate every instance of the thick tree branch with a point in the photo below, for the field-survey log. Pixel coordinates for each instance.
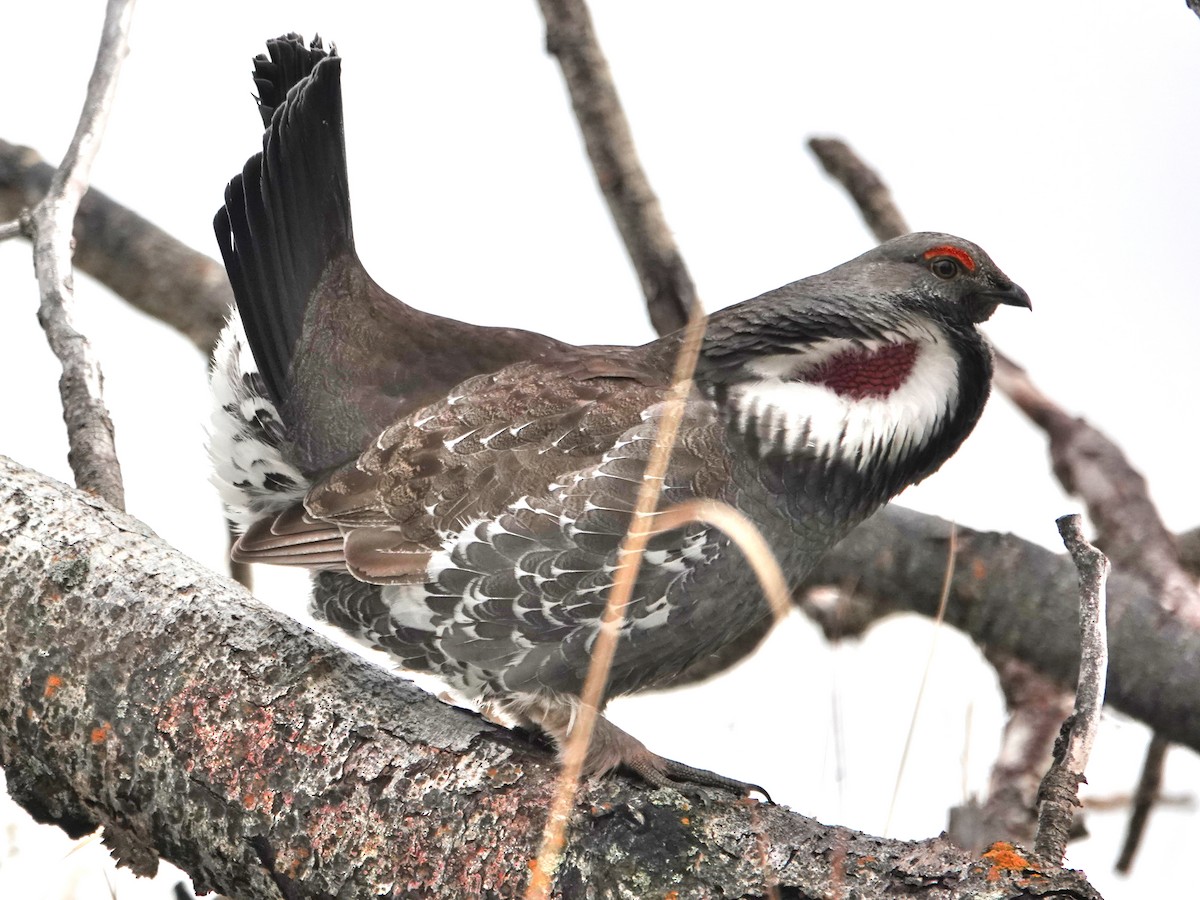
(666, 283)
(93, 452)
(1019, 599)
(202, 727)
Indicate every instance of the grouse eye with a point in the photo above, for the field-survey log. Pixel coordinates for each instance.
(945, 267)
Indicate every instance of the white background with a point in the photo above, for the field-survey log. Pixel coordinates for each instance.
(1061, 137)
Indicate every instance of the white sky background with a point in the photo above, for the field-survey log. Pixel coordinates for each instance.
(1062, 137)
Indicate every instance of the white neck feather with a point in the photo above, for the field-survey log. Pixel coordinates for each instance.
(794, 416)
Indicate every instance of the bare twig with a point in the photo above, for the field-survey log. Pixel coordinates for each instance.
(93, 454)
(738, 528)
(635, 209)
(1058, 794)
(1145, 797)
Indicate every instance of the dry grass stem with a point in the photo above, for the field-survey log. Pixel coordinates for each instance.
(630, 556)
(938, 620)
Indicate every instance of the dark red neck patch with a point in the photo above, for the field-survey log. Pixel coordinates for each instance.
(860, 373)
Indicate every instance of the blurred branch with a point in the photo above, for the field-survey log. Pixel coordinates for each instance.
(136, 260)
(666, 283)
(1188, 544)
(93, 452)
(864, 186)
(202, 727)
(1148, 791)
(1091, 466)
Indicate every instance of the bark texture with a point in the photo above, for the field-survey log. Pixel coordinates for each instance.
(145, 694)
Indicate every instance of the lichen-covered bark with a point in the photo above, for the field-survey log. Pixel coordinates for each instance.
(140, 692)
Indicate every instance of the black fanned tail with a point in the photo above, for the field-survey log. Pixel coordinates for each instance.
(288, 213)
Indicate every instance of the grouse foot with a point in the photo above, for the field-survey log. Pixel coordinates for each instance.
(613, 748)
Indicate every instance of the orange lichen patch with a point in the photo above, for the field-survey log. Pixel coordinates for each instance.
(53, 683)
(263, 800)
(1004, 857)
(671, 895)
(100, 735)
(978, 570)
(684, 820)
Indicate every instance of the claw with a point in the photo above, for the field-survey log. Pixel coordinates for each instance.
(668, 773)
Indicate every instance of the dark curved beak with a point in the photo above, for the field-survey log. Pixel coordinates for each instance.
(1008, 295)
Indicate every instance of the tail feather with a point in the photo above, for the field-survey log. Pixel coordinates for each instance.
(288, 213)
(339, 358)
(286, 63)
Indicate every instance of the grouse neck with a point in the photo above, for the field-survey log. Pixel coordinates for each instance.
(845, 425)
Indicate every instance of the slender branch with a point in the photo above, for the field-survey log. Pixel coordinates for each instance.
(1059, 793)
(1036, 707)
(666, 283)
(93, 453)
